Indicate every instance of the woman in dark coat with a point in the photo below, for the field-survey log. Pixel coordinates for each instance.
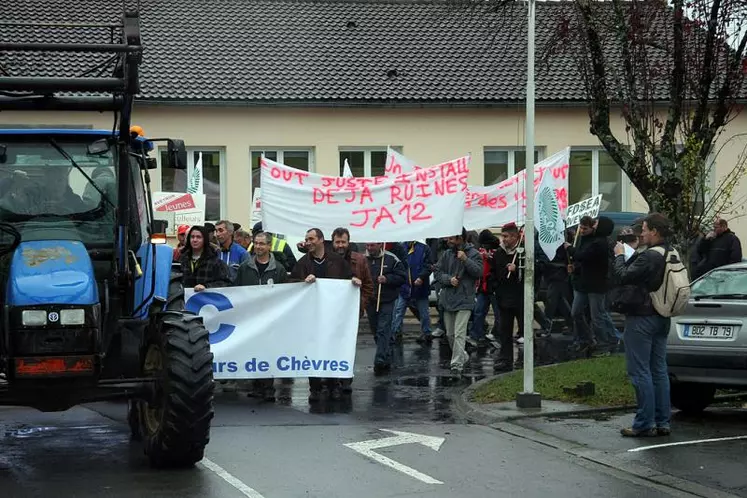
(201, 266)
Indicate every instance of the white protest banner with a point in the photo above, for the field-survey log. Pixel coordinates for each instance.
(257, 206)
(425, 203)
(396, 163)
(496, 205)
(587, 207)
(548, 217)
(179, 209)
(287, 330)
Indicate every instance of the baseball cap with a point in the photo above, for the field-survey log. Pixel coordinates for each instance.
(182, 229)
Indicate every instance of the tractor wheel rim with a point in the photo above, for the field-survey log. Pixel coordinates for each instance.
(153, 368)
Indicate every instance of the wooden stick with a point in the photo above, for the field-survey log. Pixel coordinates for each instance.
(381, 272)
(513, 262)
(575, 237)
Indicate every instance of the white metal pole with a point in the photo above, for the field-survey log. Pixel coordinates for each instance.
(529, 218)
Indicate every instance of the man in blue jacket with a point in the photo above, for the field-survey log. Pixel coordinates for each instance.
(388, 274)
(418, 288)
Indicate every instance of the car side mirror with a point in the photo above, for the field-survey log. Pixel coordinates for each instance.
(176, 158)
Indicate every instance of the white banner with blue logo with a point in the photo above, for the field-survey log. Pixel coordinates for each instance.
(286, 330)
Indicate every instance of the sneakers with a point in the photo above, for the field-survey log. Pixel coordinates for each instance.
(520, 340)
(630, 432)
(663, 431)
(490, 337)
(471, 342)
(438, 333)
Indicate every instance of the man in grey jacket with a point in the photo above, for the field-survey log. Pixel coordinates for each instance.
(261, 268)
(457, 271)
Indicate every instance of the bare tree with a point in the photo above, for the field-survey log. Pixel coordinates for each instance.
(676, 73)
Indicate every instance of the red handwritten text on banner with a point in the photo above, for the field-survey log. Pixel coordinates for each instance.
(398, 207)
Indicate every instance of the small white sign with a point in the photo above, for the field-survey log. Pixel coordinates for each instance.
(587, 207)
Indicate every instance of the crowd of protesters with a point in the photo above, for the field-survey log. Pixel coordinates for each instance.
(470, 273)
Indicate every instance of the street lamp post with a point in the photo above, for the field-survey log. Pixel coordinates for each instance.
(528, 398)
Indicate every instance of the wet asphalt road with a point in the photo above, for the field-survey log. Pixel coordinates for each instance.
(289, 449)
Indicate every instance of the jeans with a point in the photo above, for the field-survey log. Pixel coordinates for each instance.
(456, 333)
(483, 303)
(381, 326)
(601, 322)
(646, 362)
(400, 308)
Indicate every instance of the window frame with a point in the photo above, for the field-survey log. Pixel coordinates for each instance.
(511, 150)
(222, 172)
(366, 154)
(624, 180)
(280, 151)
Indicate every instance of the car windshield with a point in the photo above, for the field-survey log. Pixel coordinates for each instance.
(721, 282)
(41, 191)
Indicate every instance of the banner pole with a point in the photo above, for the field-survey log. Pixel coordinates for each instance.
(381, 273)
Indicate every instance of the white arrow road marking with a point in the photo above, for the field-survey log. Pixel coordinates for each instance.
(366, 448)
(684, 443)
(230, 479)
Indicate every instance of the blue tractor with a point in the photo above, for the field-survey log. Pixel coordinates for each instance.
(91, 308)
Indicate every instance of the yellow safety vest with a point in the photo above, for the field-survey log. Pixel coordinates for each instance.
(278, 245)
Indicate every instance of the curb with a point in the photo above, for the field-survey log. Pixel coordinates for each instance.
(477, 415)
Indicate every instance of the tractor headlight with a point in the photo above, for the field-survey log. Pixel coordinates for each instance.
(72, 317)
(34, 318)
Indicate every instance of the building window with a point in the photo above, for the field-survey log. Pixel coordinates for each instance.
(594, 172)
(501, 163)
(299, 158)
(365, 161)
(175, 180)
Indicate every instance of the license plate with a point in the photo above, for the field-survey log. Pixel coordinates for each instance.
(708, 332)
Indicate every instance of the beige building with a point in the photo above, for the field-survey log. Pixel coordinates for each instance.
(342, 84)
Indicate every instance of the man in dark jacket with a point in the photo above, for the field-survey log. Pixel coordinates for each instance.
(261, 269)
(320, 263)
(508, 261)
(417, 289)
(458, 271)
(719, 248)
(389, 275)
(591, 273)
(361, 272)
(646, 330)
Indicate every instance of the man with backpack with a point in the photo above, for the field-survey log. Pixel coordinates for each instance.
(658, 289)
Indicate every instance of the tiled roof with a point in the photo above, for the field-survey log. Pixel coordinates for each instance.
(339, 51)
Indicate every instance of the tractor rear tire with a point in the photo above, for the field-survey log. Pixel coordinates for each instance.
(175, 427)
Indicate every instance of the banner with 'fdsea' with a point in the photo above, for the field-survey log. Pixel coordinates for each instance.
(286, 330)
